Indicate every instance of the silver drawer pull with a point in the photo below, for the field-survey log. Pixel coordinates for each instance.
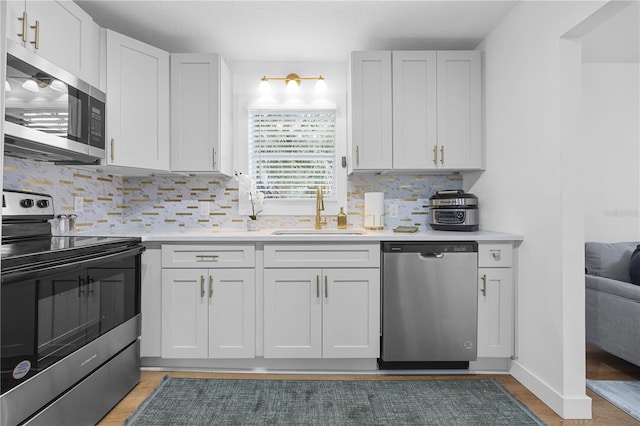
(495, 254)
(207, 257)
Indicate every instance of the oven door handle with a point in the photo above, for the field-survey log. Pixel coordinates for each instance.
(61, 266)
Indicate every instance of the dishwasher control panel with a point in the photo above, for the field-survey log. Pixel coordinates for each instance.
(427, 247)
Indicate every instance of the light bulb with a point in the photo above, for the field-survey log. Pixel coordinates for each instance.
(58, 86)
(31, 85)
(7, 86)
(321, 85)
(264, 87)
(292, 86)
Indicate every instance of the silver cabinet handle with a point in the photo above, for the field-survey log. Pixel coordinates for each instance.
(484, 285)
(36, 42)
(442, 155)
(357, 155)
(317, 286)
(201, 286)
(112, 148)
(206, 257)
(435, 155)
(326, 287)
(210, 286)
(25, 25)
(214, 157)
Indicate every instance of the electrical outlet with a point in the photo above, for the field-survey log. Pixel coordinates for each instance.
(78, 204)
(393, 210)
(204, 208)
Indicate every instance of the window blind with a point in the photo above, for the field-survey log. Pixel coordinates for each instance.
(293, 152)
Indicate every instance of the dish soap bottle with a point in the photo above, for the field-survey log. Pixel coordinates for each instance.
(342, 219)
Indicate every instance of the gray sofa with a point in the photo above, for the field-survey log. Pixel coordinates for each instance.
(612, 301)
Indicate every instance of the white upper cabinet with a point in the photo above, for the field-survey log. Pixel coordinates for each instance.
(59, 31)
(371, 143)
(460, 110)
(417, 110)
(414, 109)
(201, 120)
(137, 104)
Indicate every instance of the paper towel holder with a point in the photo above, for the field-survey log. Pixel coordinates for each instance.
(380, 222)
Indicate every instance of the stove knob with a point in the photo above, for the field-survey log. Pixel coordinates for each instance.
(26, 203)
(43, 204)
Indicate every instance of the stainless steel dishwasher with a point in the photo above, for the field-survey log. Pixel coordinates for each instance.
(430, 304)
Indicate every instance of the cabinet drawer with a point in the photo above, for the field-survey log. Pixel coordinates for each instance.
(208, 256)
(322, 256)
(495, 255)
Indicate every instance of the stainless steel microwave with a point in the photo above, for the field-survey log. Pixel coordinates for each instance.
(51, 115)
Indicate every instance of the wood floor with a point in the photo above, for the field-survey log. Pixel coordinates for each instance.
(600, 365)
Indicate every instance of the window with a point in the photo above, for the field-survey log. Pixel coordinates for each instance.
(291, 152)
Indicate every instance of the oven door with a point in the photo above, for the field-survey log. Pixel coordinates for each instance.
(52, 311)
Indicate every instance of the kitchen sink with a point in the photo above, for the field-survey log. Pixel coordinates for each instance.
(318, 232)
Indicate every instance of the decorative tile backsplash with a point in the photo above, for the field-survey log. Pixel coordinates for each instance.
(146, 204)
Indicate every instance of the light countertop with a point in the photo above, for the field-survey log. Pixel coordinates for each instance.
(267, 235)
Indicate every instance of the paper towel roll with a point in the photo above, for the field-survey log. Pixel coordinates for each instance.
(374, 210)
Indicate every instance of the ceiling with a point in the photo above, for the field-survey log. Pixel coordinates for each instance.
(303, 31)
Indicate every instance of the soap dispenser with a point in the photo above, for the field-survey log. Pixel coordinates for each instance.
(342, 219)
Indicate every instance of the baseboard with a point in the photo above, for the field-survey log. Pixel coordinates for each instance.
(567, 408)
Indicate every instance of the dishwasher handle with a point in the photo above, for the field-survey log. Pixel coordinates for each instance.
(436, 255)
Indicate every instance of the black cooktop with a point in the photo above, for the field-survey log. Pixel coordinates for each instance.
(28, 251)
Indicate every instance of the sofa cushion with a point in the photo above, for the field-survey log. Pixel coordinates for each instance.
(610, 260)
(634, 266)
(613, 287)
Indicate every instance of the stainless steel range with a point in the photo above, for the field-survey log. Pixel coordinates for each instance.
(70, 318)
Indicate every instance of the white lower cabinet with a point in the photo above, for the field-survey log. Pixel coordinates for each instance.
(322, 313)
(207, 312)
(325, 312)
(495, 301)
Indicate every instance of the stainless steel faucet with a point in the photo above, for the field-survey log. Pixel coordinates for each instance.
(319, 207)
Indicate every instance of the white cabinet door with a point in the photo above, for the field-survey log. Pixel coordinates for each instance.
(460, 110)
(137, 104)
(201, 96)
(62, 30)
(329, 313)
(495, 312)
(185, 306)
(351, 313)
(414, 110)
(151, 304)
(371, 133)
(231, 313)
(292, 313)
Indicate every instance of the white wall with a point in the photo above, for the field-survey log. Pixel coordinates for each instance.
(531, 187)
(611, 109)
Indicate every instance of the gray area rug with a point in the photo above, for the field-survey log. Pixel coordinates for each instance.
(179, 401)
(623, 394)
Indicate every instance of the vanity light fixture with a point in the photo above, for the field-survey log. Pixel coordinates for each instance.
(31, 85)
(38, 82)
(58, 86)
(292, 82)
